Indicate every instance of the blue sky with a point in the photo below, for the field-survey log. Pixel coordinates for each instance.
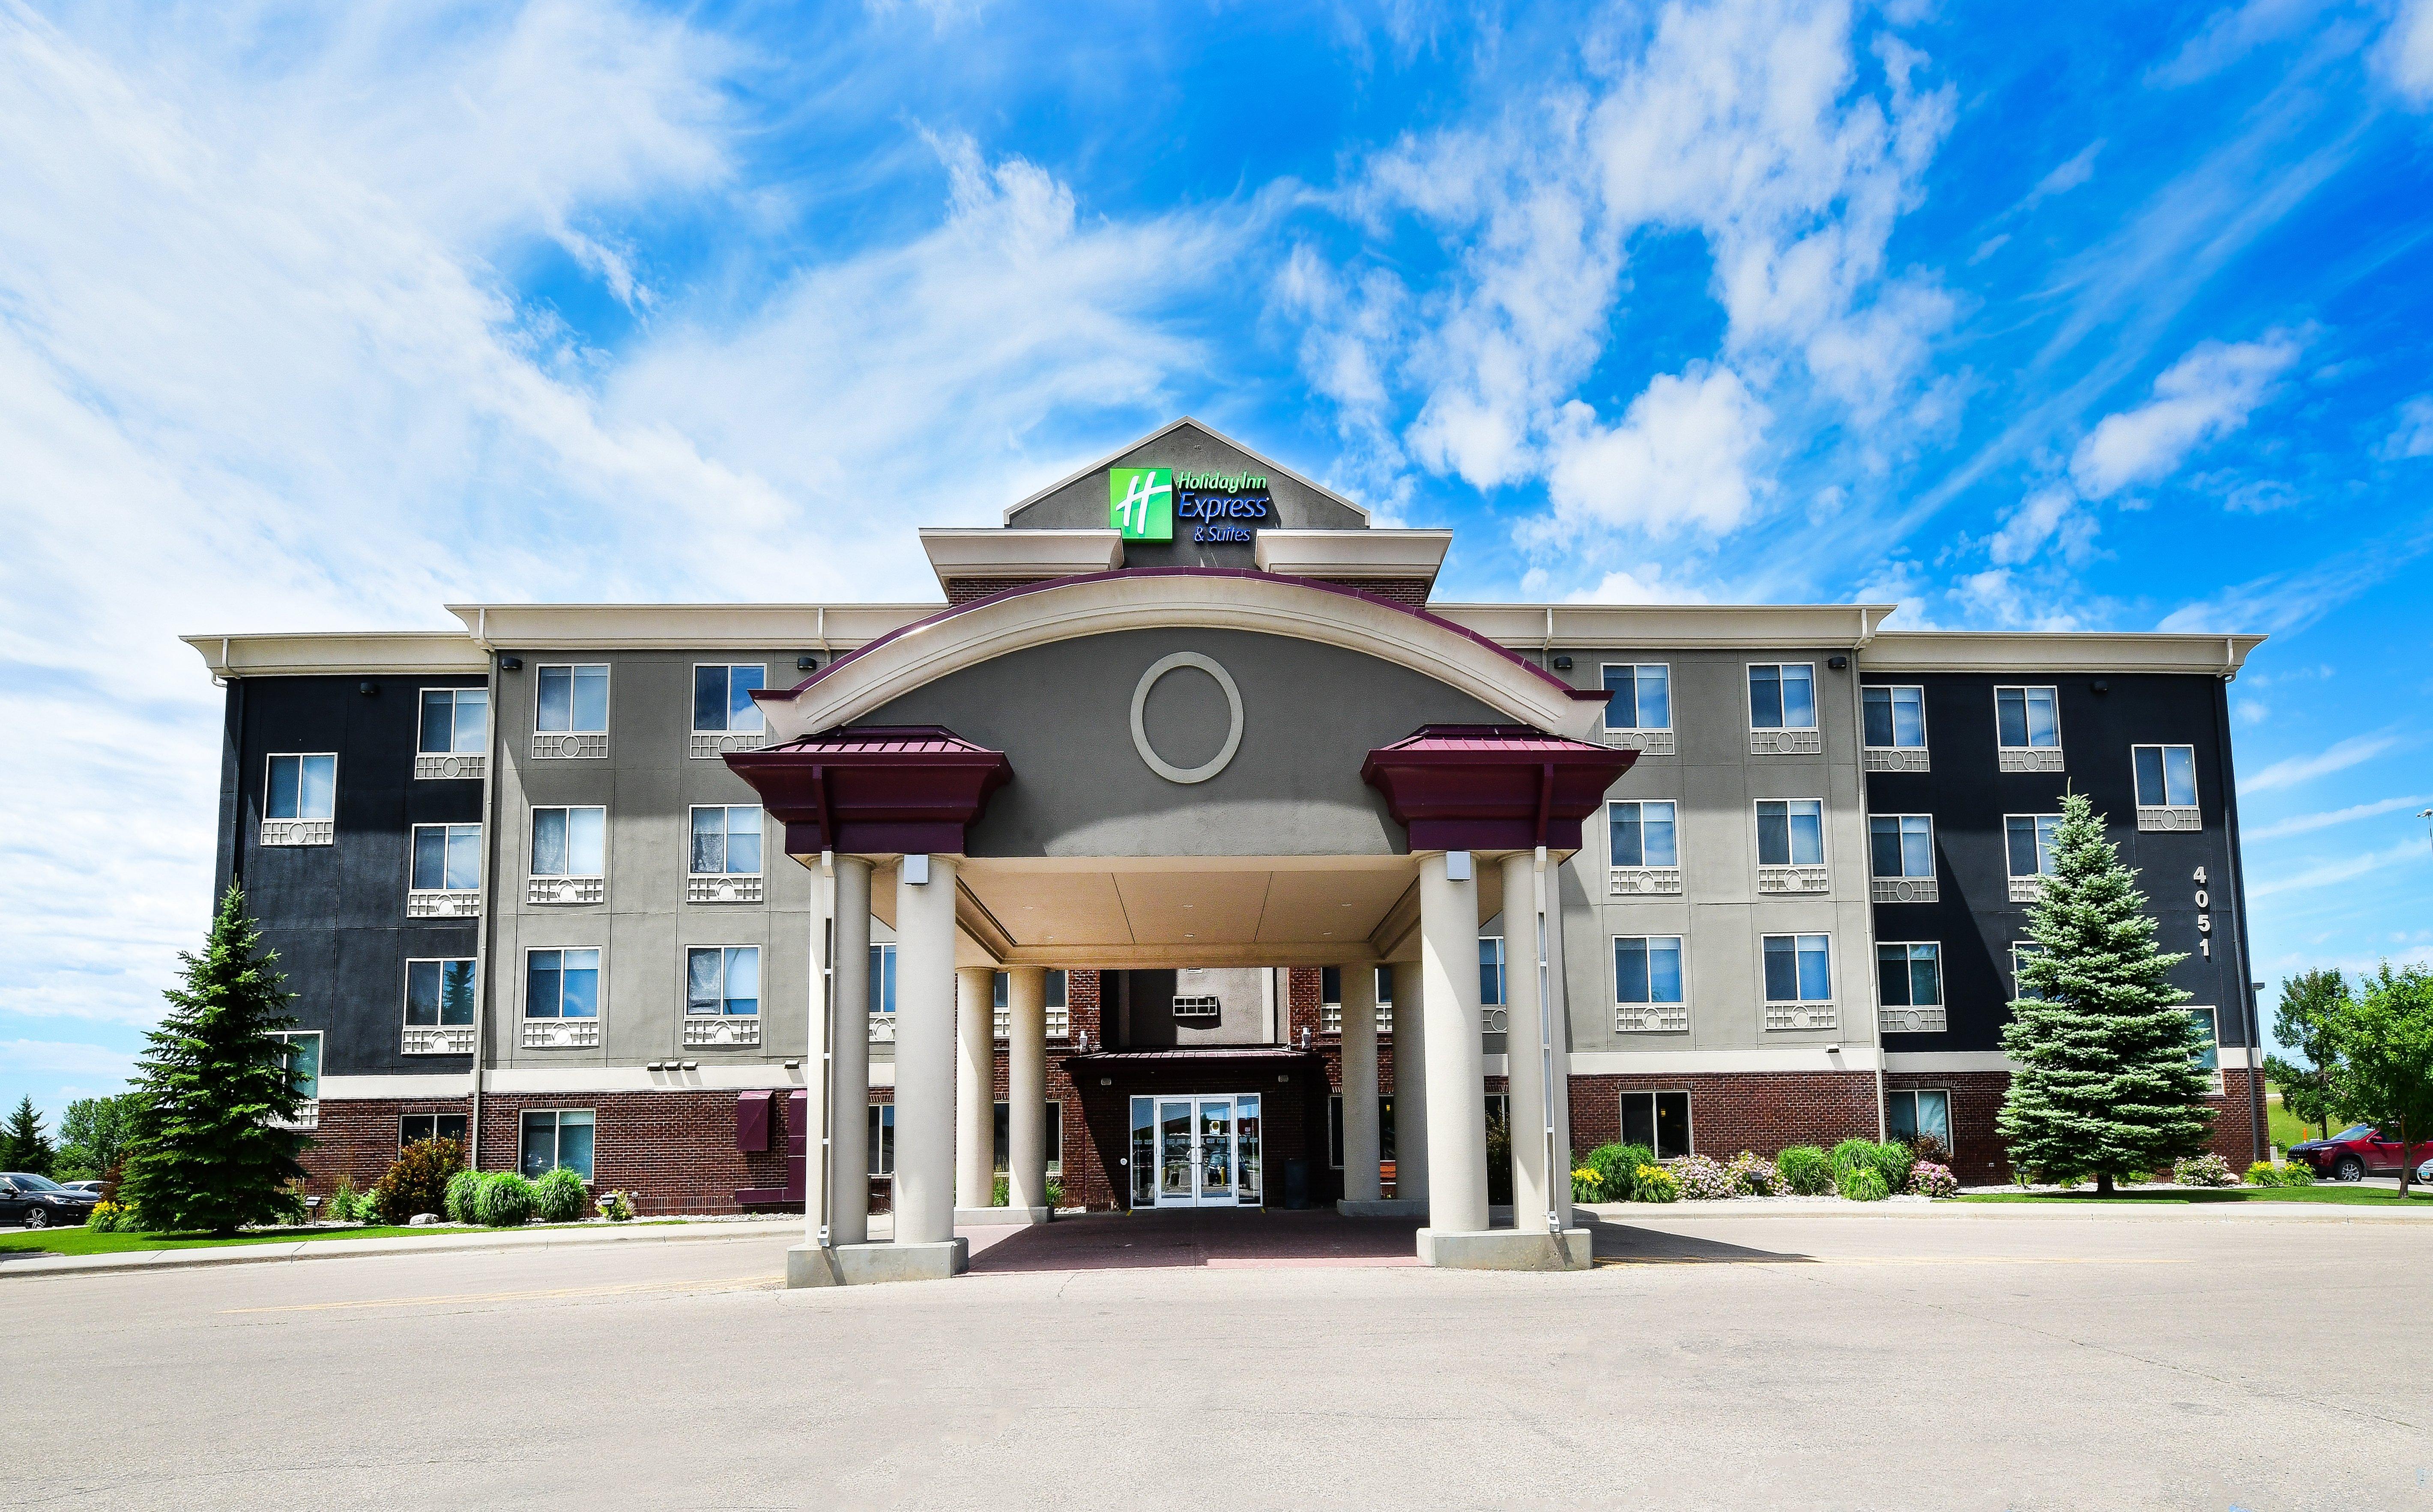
(2089, 317)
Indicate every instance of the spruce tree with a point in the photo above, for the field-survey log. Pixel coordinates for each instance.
(207, 1150)
(23, 1146)
(2107, 1084)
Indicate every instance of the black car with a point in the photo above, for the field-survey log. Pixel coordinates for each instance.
(38, 1202)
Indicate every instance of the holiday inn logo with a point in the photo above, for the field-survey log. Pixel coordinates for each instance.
(1140, 502)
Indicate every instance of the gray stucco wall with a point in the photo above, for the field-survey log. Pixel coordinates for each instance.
(1082, 504)
(1061, 713)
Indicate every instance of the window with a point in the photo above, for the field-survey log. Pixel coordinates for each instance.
(1798, 968)
(2167, 776)
(2207, 1056)
(413, 1129)
(1643, 833)
(570, 842)
(882, 979)
(1329, 1000)
(455, 721)
(2028, 718)
(721, 699)
(574, 701)
(1910, 976)
(302, 787)
(2021, 952)
(1059, 1022)
(1491, 971)
(1901, 844)
(562, 984)
(1782, 697)
(1643, 697)
(446, 857)
(726, 841)
(1913, 1114)
(1660, 1120)
(882, 1139)
(438, 993)
(1791, 832)
(1055, 1137)
(301, 1050)
(1647, 982)
(555, 1137)
(2032, 838)
(1895, 717)
(722, 979)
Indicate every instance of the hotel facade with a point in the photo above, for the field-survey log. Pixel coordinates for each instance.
(1192, 854)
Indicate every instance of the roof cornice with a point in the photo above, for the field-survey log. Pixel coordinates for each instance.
(683, 626)
(2056, 651)
(390, 653)
(1352, 553)
(1687, 626)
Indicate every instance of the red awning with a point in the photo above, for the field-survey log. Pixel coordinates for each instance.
(875, 789)
(1492, 787)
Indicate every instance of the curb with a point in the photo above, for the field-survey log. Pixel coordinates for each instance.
(492, 1243)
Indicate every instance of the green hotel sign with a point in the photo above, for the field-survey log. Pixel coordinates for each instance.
(1144, 502)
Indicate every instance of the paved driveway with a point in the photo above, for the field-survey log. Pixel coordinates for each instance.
(1747, 1361)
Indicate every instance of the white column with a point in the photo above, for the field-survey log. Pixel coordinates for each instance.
(924, 1052)
(848, 1079)
(1524, 1049)
(1360, 1183)
(1559, 1092)
(1026, 1087)
(1410, 1083)
(1457, 1062)
(975, 1086)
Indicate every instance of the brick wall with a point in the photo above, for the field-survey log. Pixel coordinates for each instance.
(358, 1140)
(1977, 1156)
(1730, 1112)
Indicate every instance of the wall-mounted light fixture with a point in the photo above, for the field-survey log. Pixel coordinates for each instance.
(510, 664)
(804, 664)
(1562, 664)
(1838, 663)
(368, 689)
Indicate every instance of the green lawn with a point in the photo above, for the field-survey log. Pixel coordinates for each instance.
(2355, 1195)
(83, 1241)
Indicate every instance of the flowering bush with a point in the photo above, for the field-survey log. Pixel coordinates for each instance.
(2203, 1170)
(1753, 1176)
(1586, 1185)
(2296, 1173)
(1702, 1179)
(1617, 1168)
(111, 1217)
(1928, 1179)
(1654, 1183)
(1861, 1182)
(1804, 1170)
(1928, 1148)
(615, 1206)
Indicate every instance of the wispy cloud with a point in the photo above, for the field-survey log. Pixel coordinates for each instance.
(2308, 824)
(2203, 397)
(2346, 869)
(65, 1058)
(2289, 773)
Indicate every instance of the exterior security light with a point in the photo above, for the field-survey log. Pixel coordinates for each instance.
(1562, 664)
(2100, 686)
(510, 664)
(368, 689)
(1456, 866)
(804, 664)
(1838, 663)
(916, 871)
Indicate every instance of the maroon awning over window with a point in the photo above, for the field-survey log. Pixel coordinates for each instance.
(876, 789)
(1492, 787)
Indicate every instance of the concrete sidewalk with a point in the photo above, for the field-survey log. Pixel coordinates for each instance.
(16, 1263)
(2081, 1208)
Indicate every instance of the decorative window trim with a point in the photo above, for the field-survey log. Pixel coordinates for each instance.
(1789, 739)
(725, 887)
(1895, 758)
(882, 1020)
(2172, 819)
(1905, 888)
(2029, 757)
(1643, 881)
(430, 768)
(308, 1111)
(1644, 737)
(721, 1030)
(2166, 816)
(552, 889)
(1800, 1014)
(450, 765)
(299, 829)
(562, 1033)
(2026, 887)
(442, 902)
(436, 1039)
(572, 745)
(1823, 847)
(1651, 1017)
(708, 745)
(1912, 1018)
(1647, 743)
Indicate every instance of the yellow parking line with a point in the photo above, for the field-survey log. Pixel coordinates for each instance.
(737, 1283)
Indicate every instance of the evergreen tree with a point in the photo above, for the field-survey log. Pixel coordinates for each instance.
(206, 1152)
(2108, 1083)
(2307, 1021)
(23, 1146)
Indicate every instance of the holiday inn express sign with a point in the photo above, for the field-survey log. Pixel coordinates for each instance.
(1144, 502)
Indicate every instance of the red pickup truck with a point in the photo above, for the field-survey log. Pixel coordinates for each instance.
(2354, 1152)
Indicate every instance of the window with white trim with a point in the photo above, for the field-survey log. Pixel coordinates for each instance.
(1648, 987)
(1893, 716)
(572, 698)
(2028, 718)
(882, 1139)
(300, 1050)
(571, 841)
(562, 983)
(447, 859)
(882, 981)
(1660, 1120)
(1909, 986)
(1643, 696)
(726, 839)
(1791, 832)
(721, 699)
(1799, 981)
(2030, 841)
(1910, 1115)
(1643, 832)
(1330, 994)
(2206, 1057)
(723, 981)
(1900, 846)
(2021, 951)
(2167, 786)
(302, 787)
(1055, 1138)
(413, 1129)
(1491, 972)
(439, 993)
(555, 1138)
(455, 721)
(1782, 695)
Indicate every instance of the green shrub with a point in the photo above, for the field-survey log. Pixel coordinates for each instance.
(617, 1207)
(1654, 1183)
(1499, 1163)
(1804, 1171)
(417, 1183)
(560, 1197)
(462, 1189)
(1055, 1191)
(2296, 1173)
(504, 1199)
(111, 1217)
(1890, 1161)
(1862, 1181)
(1586, 1185)
(343, 1203)
(2203, 1170)
(1001, 1196)
(1617, 1168)
(1752, 1177)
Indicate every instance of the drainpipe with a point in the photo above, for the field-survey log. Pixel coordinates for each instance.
(1558, 1180)
(491, 902)
(1859, 728)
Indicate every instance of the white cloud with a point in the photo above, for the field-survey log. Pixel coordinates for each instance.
(2049, 522)
(2065, 178)
(2308, 823)
(2413, 436)
(56, 1057)
(1644, 586)
(2346, 869)
(2203, 397)
(2292, 771)
(1682, 456)
(2230, 34)
(2404, 54)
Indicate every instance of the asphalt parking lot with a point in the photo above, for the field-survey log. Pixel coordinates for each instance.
(1788, 1359)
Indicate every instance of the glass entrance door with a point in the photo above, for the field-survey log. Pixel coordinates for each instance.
(1206, 1151)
